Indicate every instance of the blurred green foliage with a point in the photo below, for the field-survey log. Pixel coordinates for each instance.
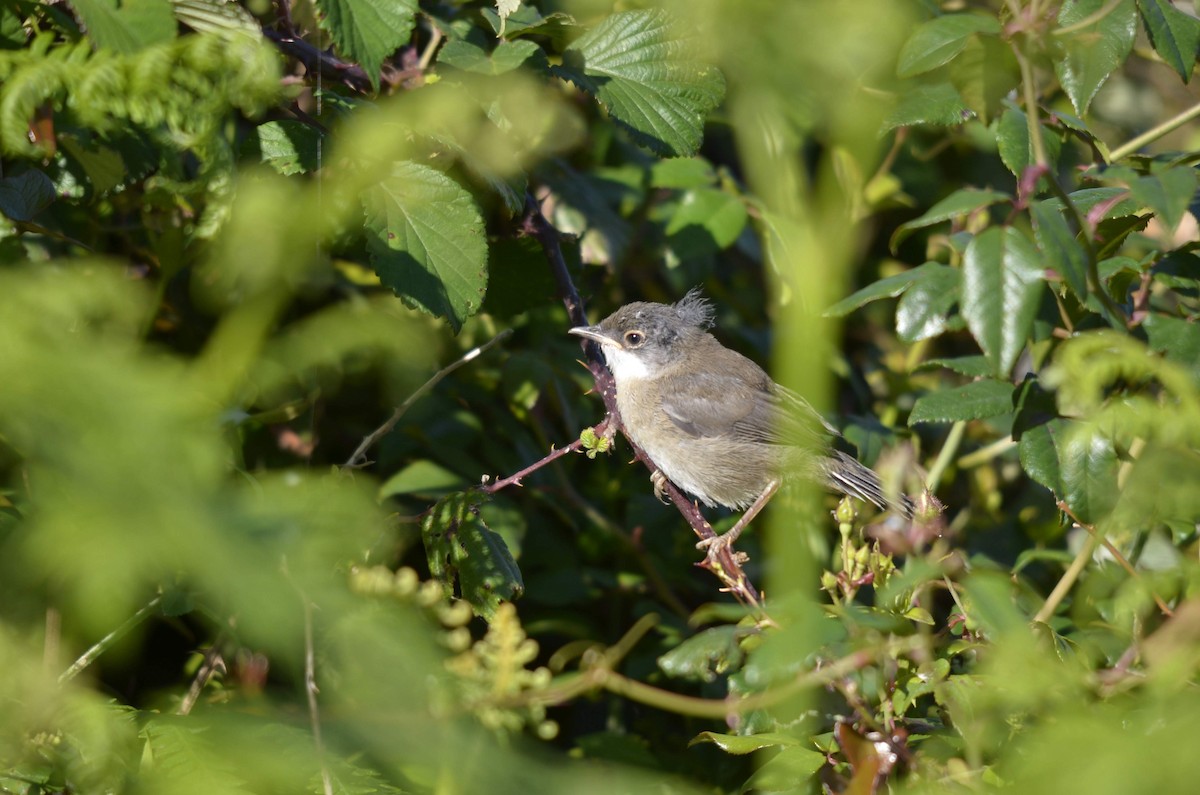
(235, 237)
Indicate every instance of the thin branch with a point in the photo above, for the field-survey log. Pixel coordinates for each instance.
(102, 645)
(211, 663)
(726, 565)
(1067, 581)
(1168, 126)
(555, 454)
(310, 683)
(319, 62)
(359, 458)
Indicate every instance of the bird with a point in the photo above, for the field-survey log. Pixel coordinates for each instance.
(712, 421)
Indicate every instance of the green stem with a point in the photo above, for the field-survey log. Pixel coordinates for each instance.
(949, 450)
(1170, 125)
(108, 640)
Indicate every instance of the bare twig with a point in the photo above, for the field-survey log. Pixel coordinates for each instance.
(89, 656)
(724, 565)
(555, 454)
(318, 61)
(212, 663)
(359, 458)
(310, 682)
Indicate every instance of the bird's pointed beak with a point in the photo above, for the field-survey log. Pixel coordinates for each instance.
(593, 333)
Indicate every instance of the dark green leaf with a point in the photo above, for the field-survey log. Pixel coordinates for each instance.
(1088, 466)
(1033, 405)
(924, 310)
(649, 78)
(1091, 53)
(1088, 198)
(962, 202)
(460, 548)
(939, 103)
(427, 241)
(25, 195)
(706, 655)
(739, 744)
(1168, 192)
(1002, 284)
(528, 21)
(1177, 339)
(973, 366)
(890, 287)
(1016, 148)
(1174, 35)
(1039, 454)
(937, 41)
(368, 31)
(974, 401)
(1059, 245)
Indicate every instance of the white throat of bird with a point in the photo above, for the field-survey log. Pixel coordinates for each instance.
(625, 365)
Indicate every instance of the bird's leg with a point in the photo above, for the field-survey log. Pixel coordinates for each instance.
(723, 541)
(660, 486)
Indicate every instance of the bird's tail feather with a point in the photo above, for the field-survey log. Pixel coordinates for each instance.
(845, 474)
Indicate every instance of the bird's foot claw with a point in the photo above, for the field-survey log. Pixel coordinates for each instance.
(660, 487)
(718, 544)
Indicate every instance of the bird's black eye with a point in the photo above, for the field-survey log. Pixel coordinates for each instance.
(634, 339)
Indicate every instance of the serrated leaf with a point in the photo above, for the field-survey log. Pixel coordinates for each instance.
(924, 309)
(973, 366)
(216, 16)
(939, 103)
(740, 744)
(1174, 35)
(705, 655)
(1088, 198)
(706, 217)
(507, 56)
(939, 40)
(1014, 143)
(426, 240)
(461, 549)
(1168, 192)
(974, 401)
(962, 202)
(368, 31)
(650, 80)
(1177, 339)
(1038, 452)
(1091, 53)
(1002, 284)
(890, 287)
(135, 25)
(1088, 468)
(25, 195)
(1060, 246)
(288, 146)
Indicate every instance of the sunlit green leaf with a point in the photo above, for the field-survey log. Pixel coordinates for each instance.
(939, 104)
(1174, 35)
(462, 550)
(974, 401)
(368, 31)
(1015, 145)
(136, 24)
(1087, 465)
(940, 39)
(427, 241)
(648, 77)
(1091, 53)
(924, 309)
(963, 201)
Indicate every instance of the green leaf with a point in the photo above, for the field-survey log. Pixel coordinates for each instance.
(1002, 284)
(787, 771)
(427, 242)
(974, 401)
(25, 195)
(528, 21)
(973, 366)
(421, 477)
(682, 173)
(216, 16)
(648, 78)
(460, 548)
(368, 31)
(1016, 148)
(939, 103)
(1038, 451)
(939, 40)
(507, 56)
(985, 74)
(1087, 464)
(962, 202)
(1167, 192)
(706, 217)
(1033, 406)
(741, 744)
(288, 146)
(924, 310)
(890, 287)
(1060, 246)
(705, 655)
(1091, 53)
(137, 24)
(1088, 198)
(1174, 35)
(1177, 339)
